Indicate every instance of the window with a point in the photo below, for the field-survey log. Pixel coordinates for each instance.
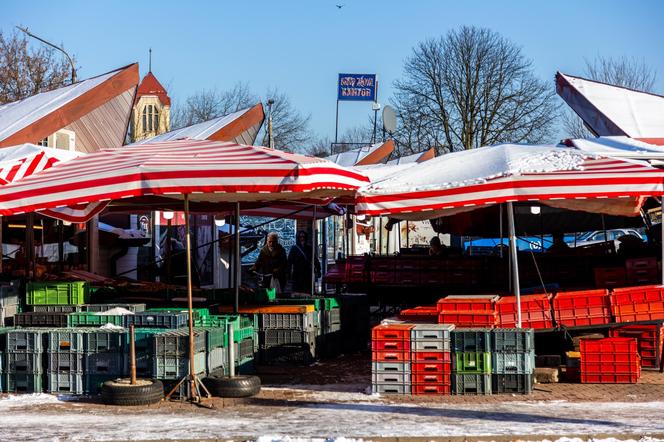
(150, 118)
(43, 142)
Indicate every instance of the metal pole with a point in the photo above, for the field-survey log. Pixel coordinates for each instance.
(30, 245)
(336, 127)
(270, 138)
(169, 251)
(238, 264)
(193, 394)
(313, 253)
(231, 351)
(132, 355)
(323, 268)
(500, 217)
(407, 236)
(2, 253)
(61, 247)
(515, 263)
(71, 62)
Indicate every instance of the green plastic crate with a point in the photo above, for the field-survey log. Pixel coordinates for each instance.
(331, 303)
(472, 362)
(200, 313)
(143, 338)
(24, 383)
(84, 319)
(62, 293)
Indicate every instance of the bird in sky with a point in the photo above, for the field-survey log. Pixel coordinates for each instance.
(340, 6)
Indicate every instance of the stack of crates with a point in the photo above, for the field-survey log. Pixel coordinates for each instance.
(171, 352)
(105, 356)
(513, 360)
(468, 311)
(471, 368)
(9, 302)
(288, 334)
(431, 358)
(610, 361)
(64, 361)
(649, 339)
(23, 365)
(391, 358)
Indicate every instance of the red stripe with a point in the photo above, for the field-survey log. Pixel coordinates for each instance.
(13, 171)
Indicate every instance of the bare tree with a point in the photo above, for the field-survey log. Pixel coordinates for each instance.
(26, 70)
(290, 128)
(622, 71)
(473, 88)
(207, 104)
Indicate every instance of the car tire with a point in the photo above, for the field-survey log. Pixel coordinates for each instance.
(121, 392)
(240, 386)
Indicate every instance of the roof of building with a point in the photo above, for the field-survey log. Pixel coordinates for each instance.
(414, 158)
(362, 156)
(610, 110)
(151, 86)
(38, 116)
(241, 126)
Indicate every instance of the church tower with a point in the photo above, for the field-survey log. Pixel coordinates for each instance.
(151, 114)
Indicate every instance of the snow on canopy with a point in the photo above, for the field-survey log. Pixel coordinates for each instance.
(618, 146)
(466, 180)
(20, 114)
(612, 110)
(373, 154)
(17, 162)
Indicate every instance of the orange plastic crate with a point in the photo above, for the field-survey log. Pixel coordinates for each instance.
(442, 378)
(431, 356)
(392, 332)
(391, 345)
(390, 356)
(431, 367)
(431, 389)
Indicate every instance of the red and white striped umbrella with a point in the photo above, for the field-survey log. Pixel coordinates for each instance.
(558, 177)
(206, 170)
(18, 162)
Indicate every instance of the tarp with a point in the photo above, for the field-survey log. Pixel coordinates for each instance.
(623, 147)
(18, 162)
(208, 171)
(463, 181)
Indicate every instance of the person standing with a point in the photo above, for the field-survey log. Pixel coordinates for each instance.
(299, 264)
(272, 261)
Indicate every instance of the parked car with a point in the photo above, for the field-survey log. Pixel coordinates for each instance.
(600, 236)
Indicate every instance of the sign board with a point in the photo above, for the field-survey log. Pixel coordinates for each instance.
(356, 87)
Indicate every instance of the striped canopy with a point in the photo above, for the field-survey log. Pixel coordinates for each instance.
(467, 180)
(18, 162)
(208, 171)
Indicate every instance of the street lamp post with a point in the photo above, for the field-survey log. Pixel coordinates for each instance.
(59, 48)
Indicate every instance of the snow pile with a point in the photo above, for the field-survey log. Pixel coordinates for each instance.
(116, 311)
(554, 160)
(27, 400)
(111, 327)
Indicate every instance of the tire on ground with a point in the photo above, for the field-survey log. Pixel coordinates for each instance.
(121, 392)
(238, 386)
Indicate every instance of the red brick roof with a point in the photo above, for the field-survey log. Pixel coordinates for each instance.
(151, 86)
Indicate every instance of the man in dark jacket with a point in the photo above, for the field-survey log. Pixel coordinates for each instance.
(299, 264)
(272, 260)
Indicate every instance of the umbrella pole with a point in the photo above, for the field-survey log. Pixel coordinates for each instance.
(238, 264)
(313, 252)
(661, 225)
(515, 263)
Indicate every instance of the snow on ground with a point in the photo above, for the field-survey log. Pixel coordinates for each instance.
(329, 415)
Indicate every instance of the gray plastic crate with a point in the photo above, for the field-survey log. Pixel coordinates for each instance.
(512, 339)
(174, 367)
(429, 332)
(176, 342)
(56, 308)
(98, 308)
(479, 384)
(512, 383)
(144, 365)
(430, 345)
(275, 337)
(471, 340)
(513, 363)
(30, 340)
(216, 359)
(399, 367)
(108, 363)
(24, 362)
(333, 316)
(245, 349)
(66, 339)
(289, 321)
(9, 294)
(391, 388)
(65, 361)
(40, 319)
(390, 378)
(105, 340)
(64, 382)
(287, 354)
(24, 382)
(157, 319)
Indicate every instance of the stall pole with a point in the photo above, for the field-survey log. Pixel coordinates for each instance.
(515, 263)
(2, 253)
(61, 247)
(661, 225)
(313, 252)
(132, 355)
(323, 234)
(238, 264)
(193, 394)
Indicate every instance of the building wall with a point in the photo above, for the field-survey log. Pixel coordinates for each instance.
(138, 131)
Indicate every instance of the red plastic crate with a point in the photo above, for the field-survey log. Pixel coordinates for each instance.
(466, 304)
(431, 367)
(529, 303)
(336, 274)
(391, 345)
(610, 358)
(610, 277)
(637, 295)
(575, 318)
(650, 340)
(608, 345)
(431, 378)
(390, 356)
(611, 368)
(469, 319)
(641, 263)
(392, 332)
(431, 356)
(529, 319)
(428, 314)
(602, 378)
(581, 299)
(431, 389)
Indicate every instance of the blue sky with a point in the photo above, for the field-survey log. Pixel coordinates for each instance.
(301, 46)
